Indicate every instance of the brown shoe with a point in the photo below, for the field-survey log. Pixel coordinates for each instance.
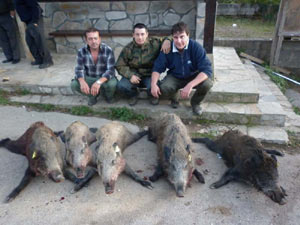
(133, 100)
(154, 101)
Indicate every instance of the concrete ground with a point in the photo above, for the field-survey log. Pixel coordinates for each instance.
(45, 202)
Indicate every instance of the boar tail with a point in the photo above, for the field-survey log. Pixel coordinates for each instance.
(210, 144)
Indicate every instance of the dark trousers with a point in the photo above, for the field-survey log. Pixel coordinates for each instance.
(130, 89)
(8, 37)
(107, 89)
(36, 42)
(170, 85)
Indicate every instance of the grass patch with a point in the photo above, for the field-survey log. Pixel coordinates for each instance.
(81, 111)
(211, 135)
(296, 110)
(245, 27)
(23, 92)
(280, 82)
(125, 114)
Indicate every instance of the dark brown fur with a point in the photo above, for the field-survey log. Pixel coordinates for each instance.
(42, 149)
(248, 161)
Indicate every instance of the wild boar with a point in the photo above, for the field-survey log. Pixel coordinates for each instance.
(248, 162)
(42, 149)
(112, 140)
(77, 139)
(175, 151)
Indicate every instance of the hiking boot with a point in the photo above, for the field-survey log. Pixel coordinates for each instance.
(110, 100)
(133, 100)
(92, 101)
(197, 110)
(15, 61)
(174, 103)
(34, 63)
(45, 65)
(7, 61)
(154, 101)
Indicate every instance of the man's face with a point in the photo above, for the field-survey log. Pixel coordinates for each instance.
(180, 40)
(93, 40)
(140, 35)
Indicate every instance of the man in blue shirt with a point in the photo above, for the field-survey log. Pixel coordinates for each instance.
(95, 70)
(188, 67)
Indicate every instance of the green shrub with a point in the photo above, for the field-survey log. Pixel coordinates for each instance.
(268, 2)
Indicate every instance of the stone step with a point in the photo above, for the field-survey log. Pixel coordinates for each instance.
(269, 114)
(232, 82)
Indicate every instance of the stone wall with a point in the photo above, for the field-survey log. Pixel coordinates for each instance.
(117, 16)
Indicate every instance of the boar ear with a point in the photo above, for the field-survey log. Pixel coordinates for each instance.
(167, 153)
(84, 139)
(188, 148)
(117, 149)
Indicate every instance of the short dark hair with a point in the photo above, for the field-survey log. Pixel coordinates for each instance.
(90, 30)
(140, 26)
(180, 27)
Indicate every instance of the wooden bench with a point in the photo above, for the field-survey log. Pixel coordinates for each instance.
(107, 33)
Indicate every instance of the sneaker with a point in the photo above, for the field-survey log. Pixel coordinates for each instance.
(154, 101)
(45, 65)
(92, 101)
(197, 110)
(133, 100)
(15, 61)
(34, 63)
(174, 103)
(7, 61)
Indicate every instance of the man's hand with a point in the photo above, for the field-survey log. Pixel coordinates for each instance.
(84, 87)
(186, 91)
(135, 79)
(155, 91)
(12, 13)
(95, 89)
(166, 46)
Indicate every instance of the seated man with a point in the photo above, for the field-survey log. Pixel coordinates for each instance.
(188, 67)
(136, 61)
(95, 69)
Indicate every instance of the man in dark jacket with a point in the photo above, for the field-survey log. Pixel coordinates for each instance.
(188, 67)
(8, 34)
(31, 13)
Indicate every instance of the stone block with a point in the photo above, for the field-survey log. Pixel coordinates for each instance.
(101, 24)
(171, 18)
(182, 7)
(153, 20)
(65, 49)
(121, 25)
(58, 18)
(142, 19)
(122, 40)
(201, 9)
(267, 134)
(190, 19)
(71, 26)
(45, 90)
(134, 7)
(96, 14)
(158, 7)
(100, 6)
(118, 6)
(115, 15)
(200, 28)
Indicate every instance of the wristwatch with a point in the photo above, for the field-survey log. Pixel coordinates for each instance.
(99, 82)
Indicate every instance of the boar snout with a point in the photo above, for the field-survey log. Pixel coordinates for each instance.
(56, 176)
(277, 195)
(109, 187)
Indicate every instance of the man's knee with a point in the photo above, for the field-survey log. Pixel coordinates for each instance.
(205, 86)
(167, 89)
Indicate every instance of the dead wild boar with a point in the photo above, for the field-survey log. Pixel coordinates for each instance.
(42, 149)
(174, 151)
(112, 140)
(77, 139)
(248, 162)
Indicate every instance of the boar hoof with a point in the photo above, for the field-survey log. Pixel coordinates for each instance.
(146, 184)
(213, 186)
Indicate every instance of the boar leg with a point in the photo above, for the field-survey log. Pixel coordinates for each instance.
(24, 182)
(199, 176)
(157, 174)
(80, 183)
(273, 152)
(230, 175)
(134, 176)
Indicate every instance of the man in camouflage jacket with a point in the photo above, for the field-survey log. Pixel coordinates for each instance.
(136, 61)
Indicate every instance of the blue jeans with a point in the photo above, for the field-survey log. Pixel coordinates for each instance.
(130, 89)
